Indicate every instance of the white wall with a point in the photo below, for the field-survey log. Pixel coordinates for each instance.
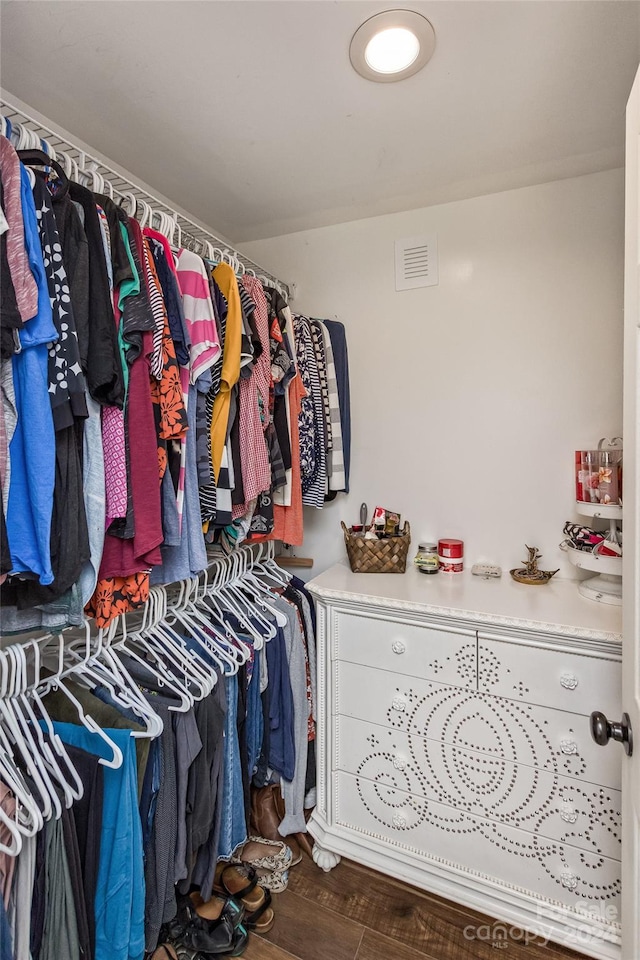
(470, 397)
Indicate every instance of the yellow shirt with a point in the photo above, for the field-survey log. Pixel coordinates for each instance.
(226, 280)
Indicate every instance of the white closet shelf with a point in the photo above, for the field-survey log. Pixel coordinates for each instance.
(194, 235)
(603, 511)
(597, 564)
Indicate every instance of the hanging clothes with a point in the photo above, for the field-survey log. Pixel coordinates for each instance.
(24, 286)
(254, 405)
(104, 370)
(335, 460)
(32, 448)
(198, 312)
(312, 418)
(230, 372)
(341, 362)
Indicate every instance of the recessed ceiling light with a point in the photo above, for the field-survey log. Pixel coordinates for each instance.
(392, 50)
(392, 45)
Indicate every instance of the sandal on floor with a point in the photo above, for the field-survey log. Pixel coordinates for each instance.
(281, 857)
(241, 883)
(237, 948)
(216, 906)
(199, 934)
(276, 882)
(262, 919)
(188, 930)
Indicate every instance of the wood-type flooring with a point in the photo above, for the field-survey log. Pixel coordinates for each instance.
(353, 913)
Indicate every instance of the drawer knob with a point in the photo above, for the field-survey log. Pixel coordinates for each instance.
(399, 821)
(399, 704)
(568, 681)
(399, 763)
(569, 747)
(398, 646)
(569, 879)
(568, 814)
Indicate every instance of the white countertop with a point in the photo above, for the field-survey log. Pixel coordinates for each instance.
(556, 607)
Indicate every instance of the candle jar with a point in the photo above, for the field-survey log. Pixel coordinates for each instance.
(451, 555)
(426, 559)
(599, 476)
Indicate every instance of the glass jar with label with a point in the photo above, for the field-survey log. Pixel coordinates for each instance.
(426, 559)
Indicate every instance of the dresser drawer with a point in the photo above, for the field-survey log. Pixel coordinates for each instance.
(407, 648)
(548, 805)
(566, 681)
(541, 737)
(403, 824)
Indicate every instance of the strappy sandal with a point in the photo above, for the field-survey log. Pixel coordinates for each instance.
(281, 858)
(262, 919)
(241, 939)
(193, 938)
(276, 882)
(217, 905)
(239, 883)
(231, 880)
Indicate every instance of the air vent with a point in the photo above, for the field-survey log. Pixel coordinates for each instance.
(417, 262)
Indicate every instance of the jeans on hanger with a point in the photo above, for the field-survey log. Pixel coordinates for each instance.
(254, 715)
(233, 830)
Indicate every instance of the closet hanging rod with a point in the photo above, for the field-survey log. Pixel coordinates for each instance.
(194, 236)
(222, 568)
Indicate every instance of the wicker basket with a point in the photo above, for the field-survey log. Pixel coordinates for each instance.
(377, 556)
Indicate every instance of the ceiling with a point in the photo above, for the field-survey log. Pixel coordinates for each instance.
(248, 114)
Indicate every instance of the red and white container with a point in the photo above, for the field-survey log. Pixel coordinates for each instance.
(451, 555)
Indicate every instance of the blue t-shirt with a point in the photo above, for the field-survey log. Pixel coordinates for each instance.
(33, 446)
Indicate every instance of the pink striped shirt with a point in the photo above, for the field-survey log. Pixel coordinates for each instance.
(198, 312)
(22, 278)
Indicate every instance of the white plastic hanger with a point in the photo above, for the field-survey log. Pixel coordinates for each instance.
(13, 830)
(173, 648)
(229, 599)
(92, 175)
(74, 784)
(178, 228)
(30, 732)
(108, 188)
(24, 745)
(257, 605)
(245, 580)
(210, 602)
(219, 639)
(129, 198)
(33, 734)
(16, 837)
(104, 668)
(147, 214)
(201, 629)
(56, 683)
(29, 819)
(69, 166)
(228, 651)
(178, 611)
(152, 661)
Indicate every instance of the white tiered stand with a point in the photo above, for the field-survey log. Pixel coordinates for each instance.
(607, 586)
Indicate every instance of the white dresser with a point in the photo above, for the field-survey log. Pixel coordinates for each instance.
(454, 749)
